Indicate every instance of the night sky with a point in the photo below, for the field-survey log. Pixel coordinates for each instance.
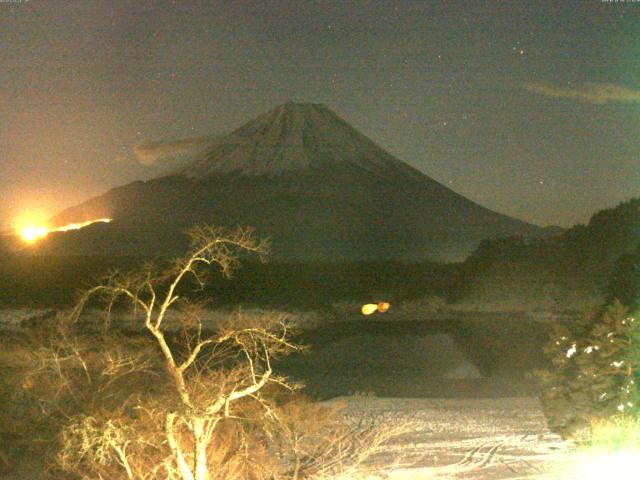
(530, 108)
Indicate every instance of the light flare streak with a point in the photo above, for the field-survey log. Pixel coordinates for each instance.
(33, 233)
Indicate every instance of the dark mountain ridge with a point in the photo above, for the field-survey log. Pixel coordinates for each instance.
(566, 272)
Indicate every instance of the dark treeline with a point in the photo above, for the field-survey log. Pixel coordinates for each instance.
(581, 259)
(55, 281)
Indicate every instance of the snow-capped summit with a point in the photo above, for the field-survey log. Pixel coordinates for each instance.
(291, 138)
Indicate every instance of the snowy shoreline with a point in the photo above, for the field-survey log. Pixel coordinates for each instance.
(481, 439)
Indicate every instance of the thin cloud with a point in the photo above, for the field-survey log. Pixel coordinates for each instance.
(151, 152)
(596, 93)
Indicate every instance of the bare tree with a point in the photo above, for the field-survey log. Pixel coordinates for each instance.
(225, 414)
(206, 396)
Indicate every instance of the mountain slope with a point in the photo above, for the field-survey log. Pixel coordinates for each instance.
(304, 177)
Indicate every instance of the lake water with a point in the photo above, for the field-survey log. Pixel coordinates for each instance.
(452, 358)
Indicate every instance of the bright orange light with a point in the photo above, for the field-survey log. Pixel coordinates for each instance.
(32, 233)
(78, 226)
(371, 308)
(383, 307)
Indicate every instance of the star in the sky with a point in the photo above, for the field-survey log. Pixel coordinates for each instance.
(518, 48)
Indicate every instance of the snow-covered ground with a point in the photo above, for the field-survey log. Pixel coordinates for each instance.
(451, 438)
(483, 439)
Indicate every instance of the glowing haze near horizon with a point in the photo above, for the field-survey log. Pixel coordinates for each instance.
(528, 108)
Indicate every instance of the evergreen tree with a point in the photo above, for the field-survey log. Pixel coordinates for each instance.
(625, 281)
(595, 370)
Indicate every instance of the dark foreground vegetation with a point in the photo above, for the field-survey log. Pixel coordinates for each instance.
(595, 371)
(84, 401)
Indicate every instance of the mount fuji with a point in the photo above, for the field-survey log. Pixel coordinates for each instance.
(301, 175)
